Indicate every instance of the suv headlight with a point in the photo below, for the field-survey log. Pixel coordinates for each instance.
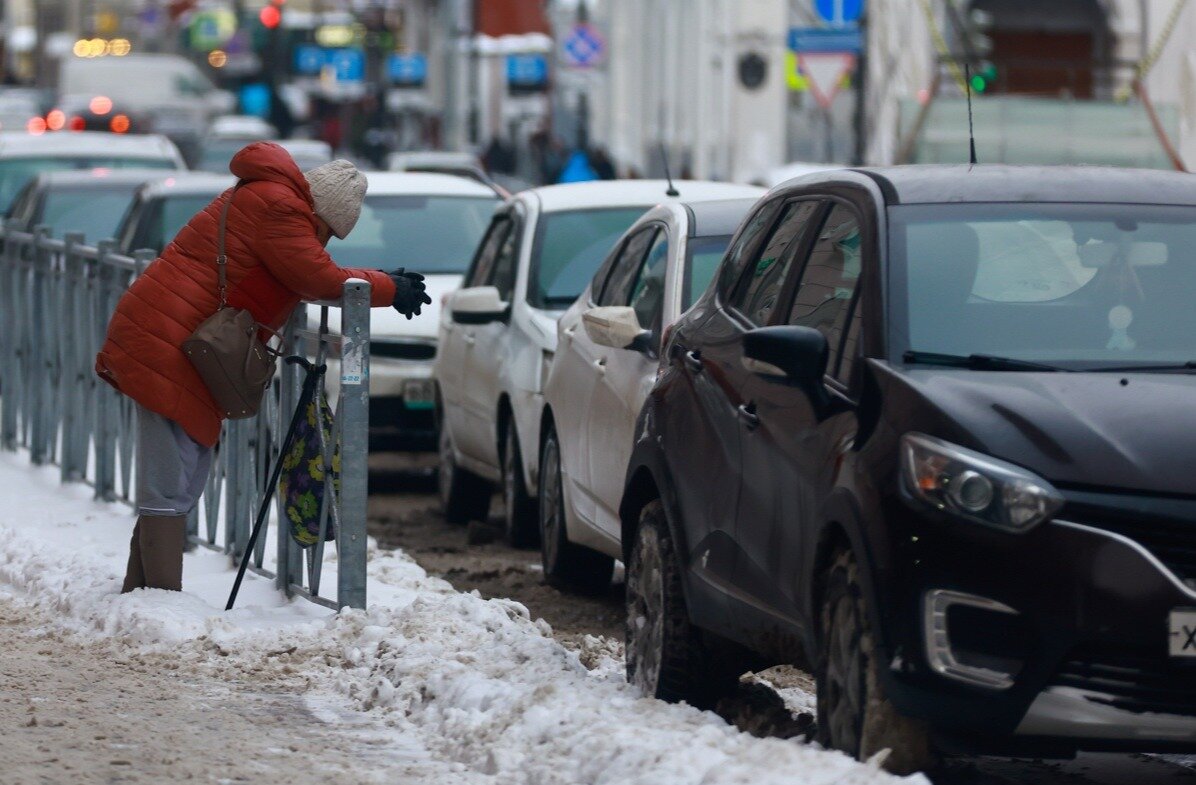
(975, 486)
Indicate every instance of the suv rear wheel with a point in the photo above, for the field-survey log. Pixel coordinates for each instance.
(519, 508)
(854, 715)
(567, 566)
(464, 496)
(666, 657)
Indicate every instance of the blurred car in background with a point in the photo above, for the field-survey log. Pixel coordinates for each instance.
(173, 95)
(241, 126)
(608, 349)
(92, 202)
(442, 162)
(431, 224)
(498, 334)
(164, 205)
(98, 113)
(308, 153)
(23, 156)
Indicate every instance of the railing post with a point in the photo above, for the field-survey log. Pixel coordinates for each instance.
(41, 348)
(355, 418)
(74, 398)
(12, 290)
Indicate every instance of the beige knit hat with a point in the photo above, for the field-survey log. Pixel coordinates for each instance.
(337, 189)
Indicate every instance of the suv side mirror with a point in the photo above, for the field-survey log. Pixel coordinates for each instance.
(616, 326)
(795, 353)
(478, 305)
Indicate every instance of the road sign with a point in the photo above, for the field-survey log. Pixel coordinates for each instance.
(584, 47)
(527, 70)
(839, 12)
(821, 39)
(825, 72)
(348, 65)
(309, 59)
(407, 70)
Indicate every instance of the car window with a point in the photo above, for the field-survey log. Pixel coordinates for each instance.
(758, 292)
(432, 234)
(851, 344)
(702, 257)
(174, 213)
(16, 172)
(483, 265)
(570, 246)
(96, 212)
(617, 290)
(505, 264)
(737, 256)
(647, 295)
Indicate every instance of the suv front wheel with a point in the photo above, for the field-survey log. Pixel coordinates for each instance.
(567, 565)
(854, 715)
(464, 496)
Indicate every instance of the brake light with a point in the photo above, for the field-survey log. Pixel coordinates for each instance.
(55, 120)
(36, 125)
(101, 105)
(119, 124)
(78, 123)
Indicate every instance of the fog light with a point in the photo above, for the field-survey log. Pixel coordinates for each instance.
(941, 656)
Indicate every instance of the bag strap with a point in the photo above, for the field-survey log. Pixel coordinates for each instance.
(221, 258)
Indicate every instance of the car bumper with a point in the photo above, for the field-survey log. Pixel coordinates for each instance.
(1056, 637)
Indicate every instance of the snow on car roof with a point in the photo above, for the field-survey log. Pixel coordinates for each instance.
(424, 183)
(84, 178)
(628, 193)
(18, 144)
(187, 184)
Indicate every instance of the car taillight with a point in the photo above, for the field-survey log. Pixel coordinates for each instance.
(36, 125)
(100, 105)
(55, 120)
(77, 123)
(119, 124)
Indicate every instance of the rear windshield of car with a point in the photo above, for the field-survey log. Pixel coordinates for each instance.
(176, 212)
(96, 212)
(703, 255)
(570, 246)
(15, 173)
(428, 234)
(1077, 285)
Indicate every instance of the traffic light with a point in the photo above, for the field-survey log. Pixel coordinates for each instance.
(271, 15)
(984, 78)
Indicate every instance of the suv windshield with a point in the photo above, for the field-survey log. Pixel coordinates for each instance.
(15, 173)
(569, 248)
(428, 234)
(1081, 286)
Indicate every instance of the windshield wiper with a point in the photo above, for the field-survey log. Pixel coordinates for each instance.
(1190, 365)
(977, 362)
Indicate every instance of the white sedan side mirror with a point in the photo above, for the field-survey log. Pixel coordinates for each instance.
(616, 326)
(478, 305)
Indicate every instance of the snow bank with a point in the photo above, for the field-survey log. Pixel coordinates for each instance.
(476, 682)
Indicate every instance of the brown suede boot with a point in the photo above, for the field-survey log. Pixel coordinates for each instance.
(134, 574)
(161, 539)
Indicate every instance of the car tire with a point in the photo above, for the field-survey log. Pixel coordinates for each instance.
(666, 655)
(854, 715)
(567, 565)
(519, 508)
(464, 496)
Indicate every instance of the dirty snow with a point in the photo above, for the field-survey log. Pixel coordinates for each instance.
(476, 683)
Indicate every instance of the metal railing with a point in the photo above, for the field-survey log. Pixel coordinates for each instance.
(56, 297)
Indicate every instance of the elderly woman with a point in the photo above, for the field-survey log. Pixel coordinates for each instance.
(279, 221)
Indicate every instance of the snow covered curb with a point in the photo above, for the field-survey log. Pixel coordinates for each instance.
(476, 682)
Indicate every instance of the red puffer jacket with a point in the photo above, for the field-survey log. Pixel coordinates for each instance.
(274, 262)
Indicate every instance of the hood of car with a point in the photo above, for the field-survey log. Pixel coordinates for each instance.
(389, 323)
(1131, 431)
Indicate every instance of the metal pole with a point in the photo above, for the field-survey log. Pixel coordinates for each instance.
(354, 413)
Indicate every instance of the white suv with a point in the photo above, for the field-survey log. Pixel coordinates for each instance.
(498, 335)
(605, 364)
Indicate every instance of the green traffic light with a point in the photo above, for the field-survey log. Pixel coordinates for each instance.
(978, 84)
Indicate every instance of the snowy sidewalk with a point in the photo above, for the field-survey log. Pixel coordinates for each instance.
(474, 685)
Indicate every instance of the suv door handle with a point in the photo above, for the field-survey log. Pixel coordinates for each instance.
(747, 416)
(693, 359)
(600, 365)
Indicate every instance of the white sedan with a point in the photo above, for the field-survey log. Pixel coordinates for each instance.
(498, 334)
(426, 223)
(605, 363)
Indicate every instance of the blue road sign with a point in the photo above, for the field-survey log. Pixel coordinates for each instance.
(347, 64)
(309, 59)
(527, 70)
(584, 46)
(839, 12)
(407, 70)
(812, 40)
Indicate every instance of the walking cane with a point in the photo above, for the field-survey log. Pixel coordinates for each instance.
(310, 384)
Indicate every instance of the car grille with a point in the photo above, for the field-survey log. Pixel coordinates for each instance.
(1171, 541)
(403, 350)
(1131, 680)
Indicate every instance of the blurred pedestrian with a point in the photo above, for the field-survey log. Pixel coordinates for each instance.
(603, 166)
(278, 221)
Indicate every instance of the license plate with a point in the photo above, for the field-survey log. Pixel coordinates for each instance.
(1183, 633)
(419, 393)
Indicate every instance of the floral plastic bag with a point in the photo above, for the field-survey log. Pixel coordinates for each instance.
(301, 484)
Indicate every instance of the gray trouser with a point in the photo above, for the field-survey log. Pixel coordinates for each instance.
(171, 466)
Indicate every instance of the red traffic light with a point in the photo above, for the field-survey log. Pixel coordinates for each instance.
(270, 17)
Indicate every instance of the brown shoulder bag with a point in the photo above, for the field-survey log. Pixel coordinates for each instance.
(234, 363)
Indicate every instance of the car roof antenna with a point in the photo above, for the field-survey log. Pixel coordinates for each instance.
(967, 72)
(664, 156)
